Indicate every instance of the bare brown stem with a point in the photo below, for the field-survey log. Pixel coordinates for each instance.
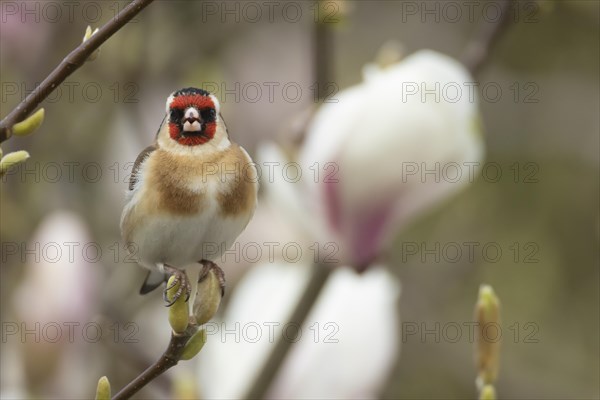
(68, 65)
(169, 359)
(323, 49)
(479, 49)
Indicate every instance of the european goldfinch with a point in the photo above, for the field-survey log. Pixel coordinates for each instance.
(191, 193)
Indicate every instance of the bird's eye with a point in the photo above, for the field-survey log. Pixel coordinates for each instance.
(175, 114)
(208, 114)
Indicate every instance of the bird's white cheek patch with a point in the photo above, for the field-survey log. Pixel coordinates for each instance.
(192, 127)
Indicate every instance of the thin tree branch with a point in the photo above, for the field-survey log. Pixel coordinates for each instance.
(169, 359)
(69, 64)
(319, 277)
(479, 49)
(323, 48)
(133, 357)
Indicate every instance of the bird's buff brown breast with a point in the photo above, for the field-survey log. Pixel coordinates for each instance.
(177, 184)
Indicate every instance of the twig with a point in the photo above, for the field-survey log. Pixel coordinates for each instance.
(478, 50)
(323, 48)
(169, 359)
(273, 364)
(68, 65)
(132, 356)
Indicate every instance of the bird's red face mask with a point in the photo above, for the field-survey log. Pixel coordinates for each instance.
(192, 118)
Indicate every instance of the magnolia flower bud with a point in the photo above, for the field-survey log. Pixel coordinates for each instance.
(88, 34)
(178, 311)
(29, 124)
(103, 389)
(194, 345)
(487, 393)
(487, 314)
(208, 294)
(11, 159)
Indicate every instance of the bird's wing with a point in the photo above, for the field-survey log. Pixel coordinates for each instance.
(153, 280)
(138, 163)
(224, 125)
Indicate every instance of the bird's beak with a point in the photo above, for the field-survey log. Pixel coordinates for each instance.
(191, 120)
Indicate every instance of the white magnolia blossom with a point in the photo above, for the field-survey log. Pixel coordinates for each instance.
(380, 139)
(61, 272)
(334, 356)
(58, 297)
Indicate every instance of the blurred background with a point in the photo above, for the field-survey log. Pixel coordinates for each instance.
(542, 212)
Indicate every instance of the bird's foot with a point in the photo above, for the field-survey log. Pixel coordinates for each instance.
(206, 267)
(182, 279)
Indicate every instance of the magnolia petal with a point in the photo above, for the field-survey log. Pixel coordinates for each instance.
(375, 132)
(350, 305)
(286, 195)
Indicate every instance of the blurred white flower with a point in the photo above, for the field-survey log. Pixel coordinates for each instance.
(334, 356)
(56, 300)
(373, 146)
(12, 379)
(60, 279)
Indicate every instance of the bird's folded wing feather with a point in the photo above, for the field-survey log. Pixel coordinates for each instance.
(153, 280)
(138, 163)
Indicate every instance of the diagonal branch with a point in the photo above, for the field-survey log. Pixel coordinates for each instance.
(478, 50)
(69, 64)
(169, 359)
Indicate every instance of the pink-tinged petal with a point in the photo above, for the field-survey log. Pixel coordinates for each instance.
(333, 205)
(375, 130)
(367, 235)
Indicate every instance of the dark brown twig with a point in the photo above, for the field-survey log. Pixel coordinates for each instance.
(479, 49)
(323, 48)
(169, 359)
(68, 65)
